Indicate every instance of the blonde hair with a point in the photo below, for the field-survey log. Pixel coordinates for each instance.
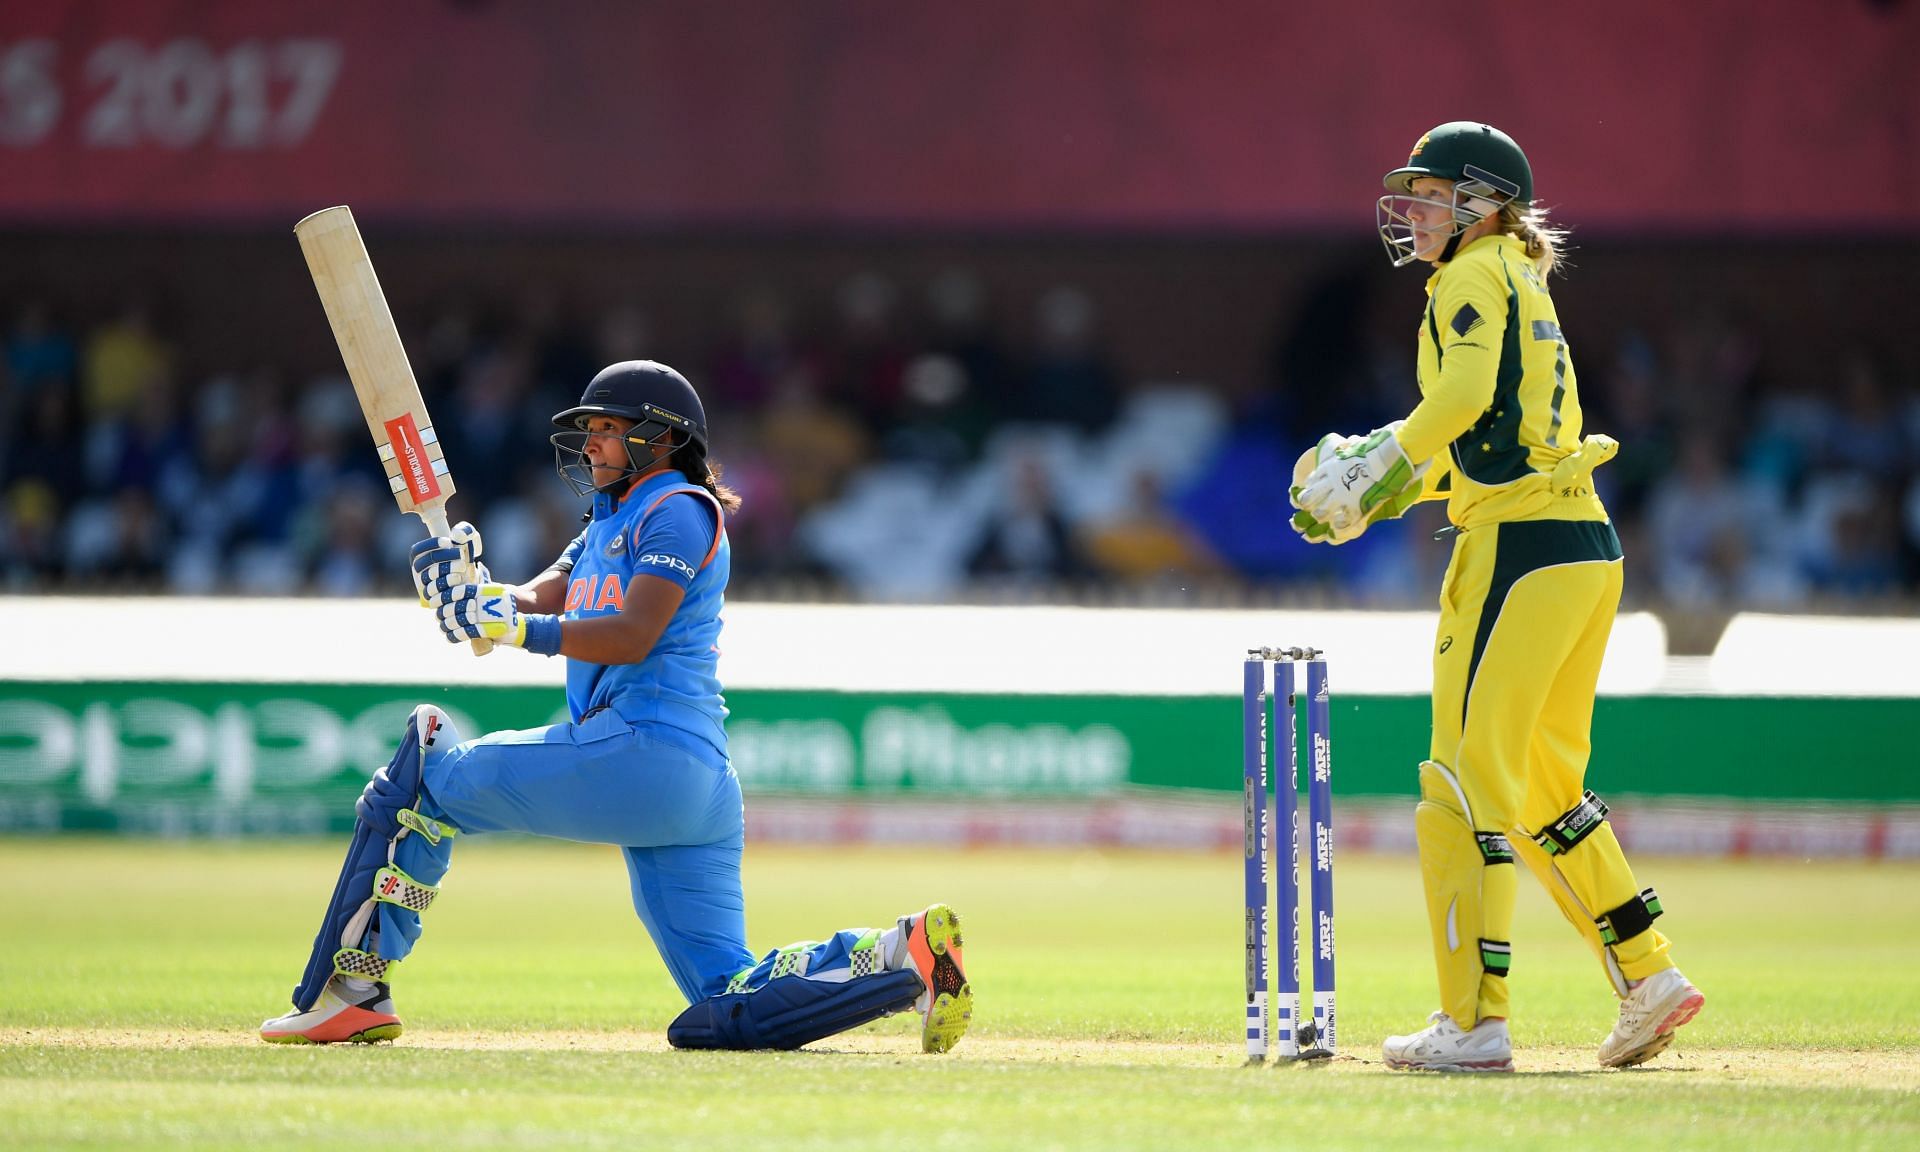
(1546, 243)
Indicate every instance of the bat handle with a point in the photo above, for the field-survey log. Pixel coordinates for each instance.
(435, 517)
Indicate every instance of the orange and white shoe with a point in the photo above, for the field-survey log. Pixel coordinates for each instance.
(946, 1003)
(340, 1016)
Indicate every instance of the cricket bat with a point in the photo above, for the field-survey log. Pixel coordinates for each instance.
(377, 363)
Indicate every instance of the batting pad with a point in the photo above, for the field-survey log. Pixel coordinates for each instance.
(792, 1010)
(378, 879)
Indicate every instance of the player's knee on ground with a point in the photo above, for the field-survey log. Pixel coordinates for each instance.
(790, 1011)
(1470, 888)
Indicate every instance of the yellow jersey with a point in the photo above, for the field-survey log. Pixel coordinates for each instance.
(1500, 406)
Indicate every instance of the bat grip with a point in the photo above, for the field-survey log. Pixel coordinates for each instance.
(435, 517)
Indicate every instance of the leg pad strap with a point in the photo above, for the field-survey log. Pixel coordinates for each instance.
(1494, 848)
(1496, 956)
(793, 960)
(1630, 919)
(364, 965)
(1575, 825)
(392, 886)
(432, 830)
(865, 959)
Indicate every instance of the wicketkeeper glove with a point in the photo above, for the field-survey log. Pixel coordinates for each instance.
(441, 562)
(1359, 483)
(1310, 528)
(487, 612)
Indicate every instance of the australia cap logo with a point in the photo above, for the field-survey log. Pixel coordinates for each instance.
(1418, 147)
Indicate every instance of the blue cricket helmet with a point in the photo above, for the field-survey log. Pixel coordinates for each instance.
(645, 392)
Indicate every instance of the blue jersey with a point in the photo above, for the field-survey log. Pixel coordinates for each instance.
(665, 529)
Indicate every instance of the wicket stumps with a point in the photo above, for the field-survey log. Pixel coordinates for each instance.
(1292, 1040)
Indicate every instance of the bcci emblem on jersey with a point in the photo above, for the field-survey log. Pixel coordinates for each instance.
(617, 545)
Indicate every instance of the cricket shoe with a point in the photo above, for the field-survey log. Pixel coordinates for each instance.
(946, 1003)
(1442, 1046)
(340, 1016)
(1649, 1015)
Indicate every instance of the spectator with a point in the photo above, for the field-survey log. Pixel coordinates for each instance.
(124, 358)
(962, 331)
(1069, 380)
(488, 419)
(349, 562)
(30, 538)
(1702, 521)
(866, 362)
(1147, 547)
(1324, 362)
(39, 354)
(756, 354)
(40, 446)
(941, 422)
(1852, 536)
(1864, 433)
(119, 544)
(1815, 489)
(1029, 542)
(561, 355)
(811, 445)
(1630, 404)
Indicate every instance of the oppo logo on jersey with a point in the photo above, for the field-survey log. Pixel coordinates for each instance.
(673, 562)
(591, 593)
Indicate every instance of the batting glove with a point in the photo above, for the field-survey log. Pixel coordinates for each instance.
(441, 562)
(487, 612)
(1361, 482)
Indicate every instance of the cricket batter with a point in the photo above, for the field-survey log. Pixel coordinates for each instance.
(1529, 599)
(634, 605)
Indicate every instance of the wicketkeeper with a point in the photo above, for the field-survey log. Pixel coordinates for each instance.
(1525, 611)
(634, 605)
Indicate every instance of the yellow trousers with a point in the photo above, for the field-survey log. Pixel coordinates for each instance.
(1524, 619)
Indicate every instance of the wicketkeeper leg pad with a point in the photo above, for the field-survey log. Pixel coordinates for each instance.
(1470, 888)
(790, 1011)
(1578, 860)
(399, 853)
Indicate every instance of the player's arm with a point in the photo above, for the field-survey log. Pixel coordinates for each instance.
(626, 636)
(1470, 313)
(668, 550)
(546, 592)
(1383, 474)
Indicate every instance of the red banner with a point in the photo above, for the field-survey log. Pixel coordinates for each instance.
(1644, 114)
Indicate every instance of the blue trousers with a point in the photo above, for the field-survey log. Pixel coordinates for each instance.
(674, 815)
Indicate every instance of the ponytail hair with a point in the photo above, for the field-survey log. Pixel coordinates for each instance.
(705, 471)
(1546, 243)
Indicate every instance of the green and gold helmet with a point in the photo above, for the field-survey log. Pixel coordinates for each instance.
(1464, 150)
(1487, 169)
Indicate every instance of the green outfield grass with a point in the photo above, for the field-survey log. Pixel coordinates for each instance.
(133, 974)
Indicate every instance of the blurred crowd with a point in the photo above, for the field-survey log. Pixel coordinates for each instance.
(918, 444)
